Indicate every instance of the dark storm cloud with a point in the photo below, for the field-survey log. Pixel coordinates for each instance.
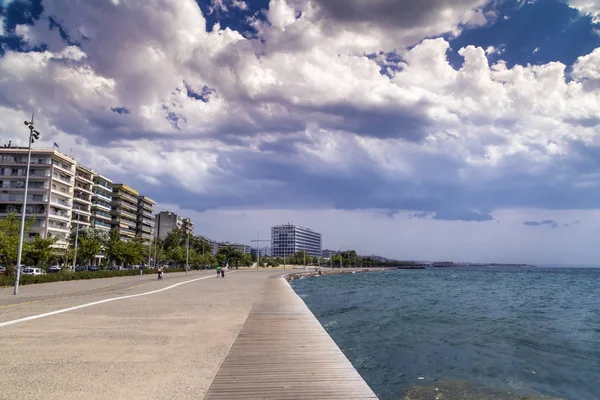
(549, 222)
(406, 123)
(397, 14)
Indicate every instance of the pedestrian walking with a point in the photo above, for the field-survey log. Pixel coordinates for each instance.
(222, 272)
(218, 270)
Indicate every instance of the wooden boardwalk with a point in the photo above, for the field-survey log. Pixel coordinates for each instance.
(283, 352)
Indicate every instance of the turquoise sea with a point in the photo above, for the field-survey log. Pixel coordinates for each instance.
(506, 332)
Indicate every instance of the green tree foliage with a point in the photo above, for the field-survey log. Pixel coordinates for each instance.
(298, 258)
(41, 250)
(115, 250)
(10, 228)
(87, 249)
(231, 256)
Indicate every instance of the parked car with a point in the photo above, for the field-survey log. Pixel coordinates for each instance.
(79, 269)
(53, 270)
(93, 268)
(113, 268)
(32, 271)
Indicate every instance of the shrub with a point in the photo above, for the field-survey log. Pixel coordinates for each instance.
(67, 276)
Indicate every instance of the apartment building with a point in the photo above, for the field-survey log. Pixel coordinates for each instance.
(237, 246)
(263, 251)
(166, 221)
(145, 218)
(124, 207)
(101, 202)
(50, 191)
(288, 239)
(82, 196)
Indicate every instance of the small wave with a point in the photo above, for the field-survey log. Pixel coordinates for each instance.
(329, 324)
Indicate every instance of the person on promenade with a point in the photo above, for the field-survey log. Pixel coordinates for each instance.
(222, 272)
(160, 272)
(218, 270)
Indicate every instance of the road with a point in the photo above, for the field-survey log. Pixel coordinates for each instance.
(160, 339)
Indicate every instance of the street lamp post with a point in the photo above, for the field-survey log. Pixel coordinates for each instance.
(76, 240)
(33, 136)
(155, 247)
(187, 253)
(258, 248)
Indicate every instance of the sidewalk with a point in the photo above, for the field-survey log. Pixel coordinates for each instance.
(167, 345)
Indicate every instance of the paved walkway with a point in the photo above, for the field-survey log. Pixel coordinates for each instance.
(283, 352)
(167, 345)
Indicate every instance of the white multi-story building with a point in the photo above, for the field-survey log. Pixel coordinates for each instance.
(288, 239)
(101, 202)
(50, 192)
(82, 197)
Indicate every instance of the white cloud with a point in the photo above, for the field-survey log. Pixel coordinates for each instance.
(225, 5)
(300, 105)
(587, 7)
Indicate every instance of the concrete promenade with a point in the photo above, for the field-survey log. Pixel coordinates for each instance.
(167, 340)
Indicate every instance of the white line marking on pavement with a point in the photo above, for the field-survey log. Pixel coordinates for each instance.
(64, 310)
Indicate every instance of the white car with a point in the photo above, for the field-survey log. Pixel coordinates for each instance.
(33, 271)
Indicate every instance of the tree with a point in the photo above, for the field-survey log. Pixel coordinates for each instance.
(88, 248)
(100, 235)
(41, 250)
(176, 254)
(134, 250)
(10, 228)
(229, 255)
(114, 248)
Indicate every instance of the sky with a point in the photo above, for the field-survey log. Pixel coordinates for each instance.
(419, 130)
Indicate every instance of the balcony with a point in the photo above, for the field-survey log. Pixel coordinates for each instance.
(57, 226)
(147, 214)
(100, 224)
(63, 178)
(85, 178)
(23, 160)
(129, 215)
(124, 196)
(145, 206)
(102, 186)
(122, 205)
(82, 199)
(81, 210)
(101, 214)
(21, 185)
(33, 173)
(101, 206)
(102, 196)
(61, 215)
(63, 167)
(83, 188)
(59, 189)
(61, 203)
(18, 198)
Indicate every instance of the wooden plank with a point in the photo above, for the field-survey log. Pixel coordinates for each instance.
(283, 352)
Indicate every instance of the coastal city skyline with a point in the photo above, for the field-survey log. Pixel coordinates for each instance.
(466, 131)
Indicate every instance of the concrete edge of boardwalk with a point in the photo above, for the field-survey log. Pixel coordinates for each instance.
(283, 352)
